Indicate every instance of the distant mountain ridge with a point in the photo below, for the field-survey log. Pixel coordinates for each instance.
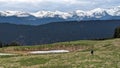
(43, 17)
(57, 32)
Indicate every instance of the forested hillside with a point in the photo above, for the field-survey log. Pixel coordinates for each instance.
(57, 31)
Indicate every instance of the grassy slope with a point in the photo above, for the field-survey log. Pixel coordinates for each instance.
(107, 55)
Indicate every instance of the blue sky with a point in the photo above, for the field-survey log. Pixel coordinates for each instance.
(53, 5)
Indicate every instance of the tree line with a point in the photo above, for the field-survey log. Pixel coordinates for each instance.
(117, 32)
(10, 44)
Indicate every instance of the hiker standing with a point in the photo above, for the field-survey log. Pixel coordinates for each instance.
(92, 52)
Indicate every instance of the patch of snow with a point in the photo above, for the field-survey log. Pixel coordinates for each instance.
(97, 13)
(79, 13)
(6, 54)
(51, 51)
(14, 13)
(42, 14)
(114, 11)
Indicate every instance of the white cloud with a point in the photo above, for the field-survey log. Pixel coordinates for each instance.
(40, 1)
(52, 5)
(20, 0)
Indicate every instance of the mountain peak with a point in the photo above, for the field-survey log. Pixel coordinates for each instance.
(14, 13)
(41, 14)
(55, 16)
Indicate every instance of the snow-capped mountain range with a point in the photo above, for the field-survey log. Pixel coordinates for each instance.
(43, 17)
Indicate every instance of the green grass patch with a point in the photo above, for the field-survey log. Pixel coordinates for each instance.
(106, 55)
(32, 61)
